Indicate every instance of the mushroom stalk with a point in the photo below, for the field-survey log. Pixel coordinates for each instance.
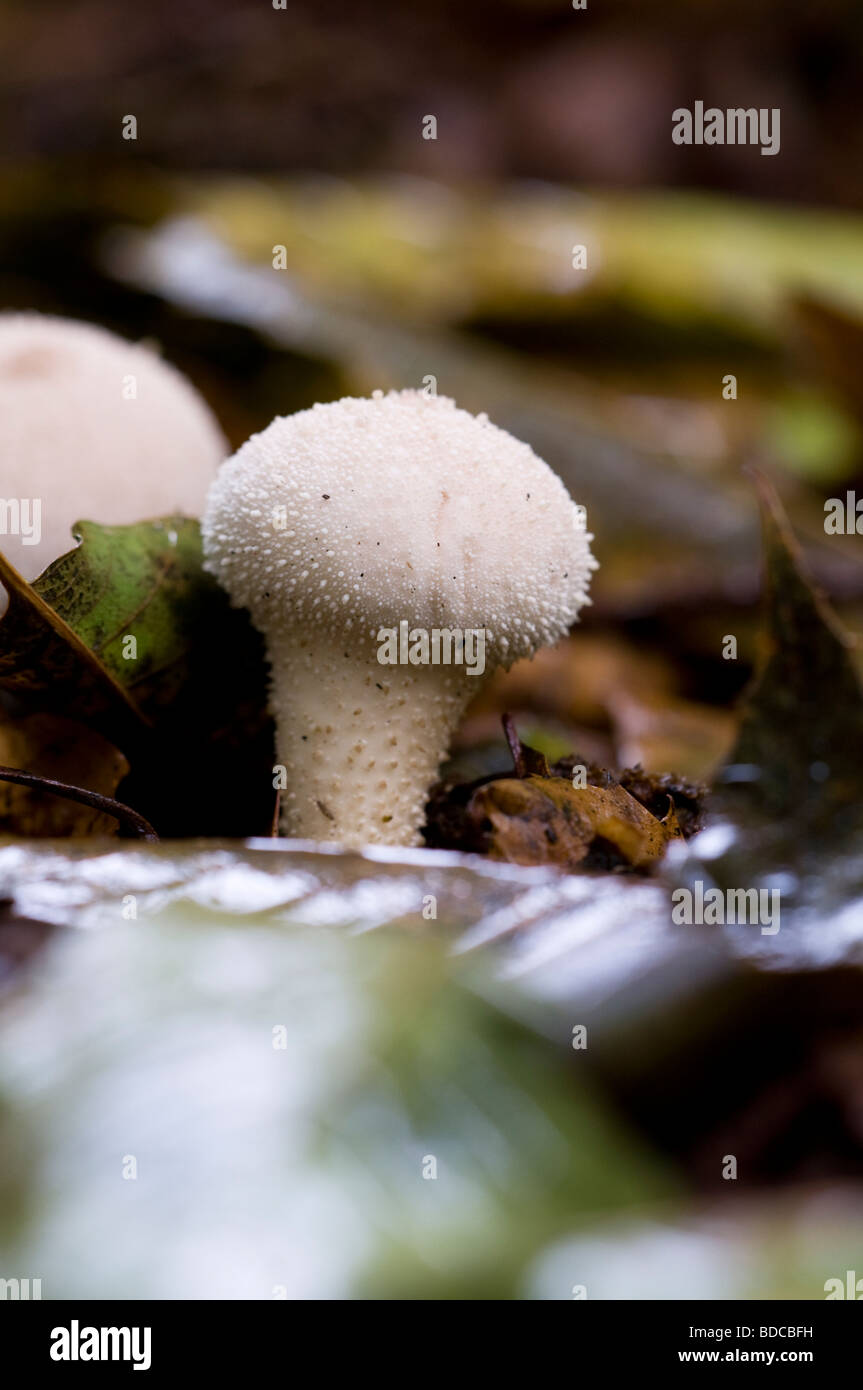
(360, 742)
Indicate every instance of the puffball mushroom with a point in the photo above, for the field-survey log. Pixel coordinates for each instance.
(336, 525)
(93, 428)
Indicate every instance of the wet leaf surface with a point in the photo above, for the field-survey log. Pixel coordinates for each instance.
(402, 1039)
(787, 808)
(314, 1071)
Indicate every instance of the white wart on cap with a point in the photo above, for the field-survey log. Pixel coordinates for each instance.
(350, 518)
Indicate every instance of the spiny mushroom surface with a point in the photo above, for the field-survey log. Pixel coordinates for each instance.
(341, 522)
(97, 429)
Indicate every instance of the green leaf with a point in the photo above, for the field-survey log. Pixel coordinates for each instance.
(42, 657)
(143, 582)
(128, 634)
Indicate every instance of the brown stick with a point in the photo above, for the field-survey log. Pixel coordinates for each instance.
(130, 820)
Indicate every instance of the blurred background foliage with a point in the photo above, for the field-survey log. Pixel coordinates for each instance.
(404, 258)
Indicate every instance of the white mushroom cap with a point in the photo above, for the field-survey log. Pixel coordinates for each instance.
(356, 516)
(74, 436)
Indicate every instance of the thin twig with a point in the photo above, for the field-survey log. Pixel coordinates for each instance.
(514, 742)
(130, 820)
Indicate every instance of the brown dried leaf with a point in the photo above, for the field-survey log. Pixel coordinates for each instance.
(671, 823)
(545, 820)
(57, 748)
